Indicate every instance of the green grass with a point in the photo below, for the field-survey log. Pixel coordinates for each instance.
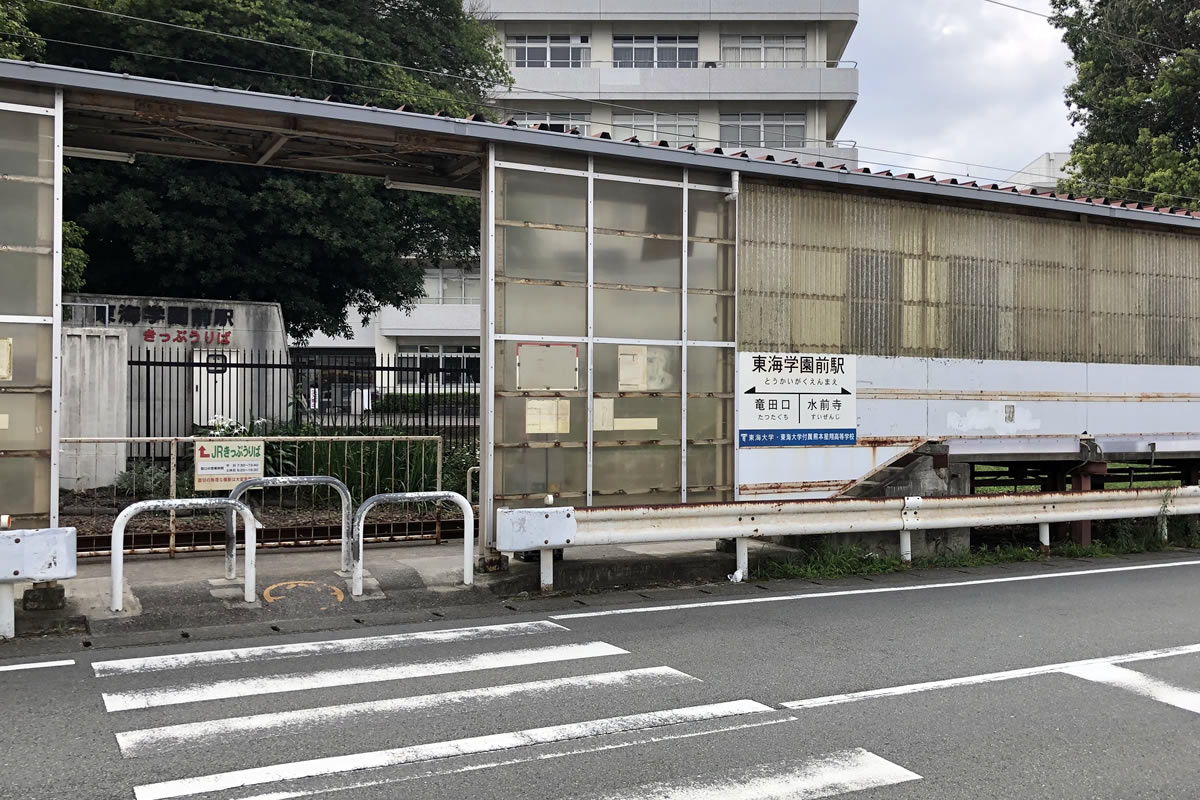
(1110, 539)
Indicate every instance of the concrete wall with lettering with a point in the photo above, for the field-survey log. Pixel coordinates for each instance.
(190, 360)
(95, 403)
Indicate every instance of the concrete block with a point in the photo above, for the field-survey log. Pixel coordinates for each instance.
(45, 598)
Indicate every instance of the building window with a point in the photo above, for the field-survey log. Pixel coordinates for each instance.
(678, 129)
(758, 52)
(561, 52)
(762, 130)
(561, 121)
(648, 52)
(451, 286)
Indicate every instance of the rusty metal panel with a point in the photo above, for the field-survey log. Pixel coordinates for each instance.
(839, 272)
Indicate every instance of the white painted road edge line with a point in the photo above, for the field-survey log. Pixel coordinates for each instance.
(301, 649)
(881, 590)
(224, 781)
(579, 751)
(1136, 682)
(848, 771)
(989, 677)
(38, 665)
(139, 743)
(301, 681)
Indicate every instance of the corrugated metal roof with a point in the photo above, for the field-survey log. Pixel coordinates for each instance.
(482, 132)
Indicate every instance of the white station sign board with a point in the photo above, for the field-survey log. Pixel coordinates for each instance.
(796, 400)
(221, 464)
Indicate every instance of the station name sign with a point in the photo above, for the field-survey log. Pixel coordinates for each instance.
(796, 400)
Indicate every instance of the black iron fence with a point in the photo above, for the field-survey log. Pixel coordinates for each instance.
(181, 393)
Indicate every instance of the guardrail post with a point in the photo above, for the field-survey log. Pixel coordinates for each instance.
(1163, 529)
(546, 561)
(743, 560)
(8, 619)
(906, 546)
(1044, 537)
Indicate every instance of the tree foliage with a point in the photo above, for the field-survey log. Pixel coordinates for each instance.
(317, 244)
(1135, 98)
(16, 39)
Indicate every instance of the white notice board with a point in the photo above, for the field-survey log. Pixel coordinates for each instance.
(221, 464)
(796, 400)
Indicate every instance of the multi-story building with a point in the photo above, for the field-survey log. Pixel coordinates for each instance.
(757, 75)
(1043, 173)
(764, 76)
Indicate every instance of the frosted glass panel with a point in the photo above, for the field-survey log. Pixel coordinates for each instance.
(25, 421)
(709, 417)
(639, 262)
(618, 369)
(710, 266)
(541, 419)
(710, 215)
(26, 214)
(539, 197)
(541, 471)
(27, 282)
(31, 355)
(710, 318)
(635, 468)
(639, 208)
(506, 365)
(544, 310)
(708, 465)
(25, 485)
(710, 370)
(636, 419)
(637, 315)
(26, 145)
(542, 254)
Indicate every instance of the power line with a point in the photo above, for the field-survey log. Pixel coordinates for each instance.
(807, 153)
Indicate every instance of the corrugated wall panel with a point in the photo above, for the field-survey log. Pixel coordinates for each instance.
(826, 271)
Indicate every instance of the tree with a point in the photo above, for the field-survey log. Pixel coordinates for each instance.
(1134, 98)
(16, 39)
(317, 244)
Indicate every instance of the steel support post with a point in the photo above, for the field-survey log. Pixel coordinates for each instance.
(8, 623)
(1044, 537)
(546, 559)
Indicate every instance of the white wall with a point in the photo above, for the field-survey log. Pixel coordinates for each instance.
(95, 403)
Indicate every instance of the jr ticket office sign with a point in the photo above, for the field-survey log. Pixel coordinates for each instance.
(796, 400)
(221, 464)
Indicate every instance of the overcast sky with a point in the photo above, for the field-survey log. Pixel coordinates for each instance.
(958, 79)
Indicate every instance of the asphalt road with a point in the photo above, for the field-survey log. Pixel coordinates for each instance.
(1048, 681)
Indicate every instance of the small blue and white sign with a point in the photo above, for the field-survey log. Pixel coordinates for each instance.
(796, 400)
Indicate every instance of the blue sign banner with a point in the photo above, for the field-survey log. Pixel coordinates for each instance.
(792, 438)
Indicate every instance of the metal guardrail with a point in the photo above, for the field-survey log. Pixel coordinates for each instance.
(360, 519)
(473, 472)
(302, 480)
(118, 540)
(549, 529)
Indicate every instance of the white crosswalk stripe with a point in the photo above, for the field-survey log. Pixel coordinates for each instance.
(177, 694)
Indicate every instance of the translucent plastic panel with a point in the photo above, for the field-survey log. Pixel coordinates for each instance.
(541, 197)
(541, 419)
(27, 281)
(709, 465)
(25, 485)
(709, 418)
(710, 215)
(648, 497)
(25, 421)
(26, 144)
(506, 364)
(636, 419)
(710, 178)
(543, 254)
(541, 310)
(639, 262)
(637, 368)
(636, 315)
(710, 370)
(25, 95)
(541, 471)
(633, 169)
(710, 266)
(26, 214)
(710, 318)
(635, 468)
(541, 156)
(31, 355)
(639, 208)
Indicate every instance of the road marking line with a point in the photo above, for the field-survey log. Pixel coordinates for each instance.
(989, 677)
(849, 771)
(138, 743)
(881, 590)
(357, 645)
(1136, 682)
(224, 781)
(579, 751)
(300, 681)
(38, 665)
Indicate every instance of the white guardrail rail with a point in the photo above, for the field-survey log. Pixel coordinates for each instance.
(549, 529)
